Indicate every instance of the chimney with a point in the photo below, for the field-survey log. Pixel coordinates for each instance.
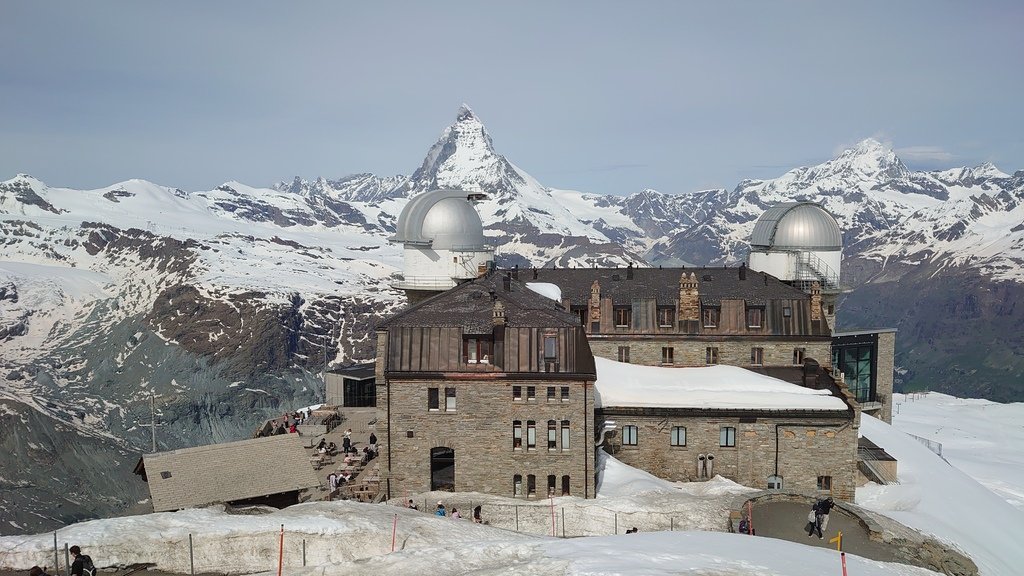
(499, 313)
(506, 282)
(594, 305)
(815, 301)
(629, 271)
(743, 271)
(689, 297)
(515, 272)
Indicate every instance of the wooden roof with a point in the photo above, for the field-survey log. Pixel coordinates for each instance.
(193, 477)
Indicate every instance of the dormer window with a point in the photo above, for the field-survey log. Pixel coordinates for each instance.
(666, 316)
(622, 315)
(710, 317)
(477, 349)
(755, 317)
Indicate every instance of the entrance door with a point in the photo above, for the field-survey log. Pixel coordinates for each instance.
(442, 469)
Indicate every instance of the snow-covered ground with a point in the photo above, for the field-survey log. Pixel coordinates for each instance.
(351, 538)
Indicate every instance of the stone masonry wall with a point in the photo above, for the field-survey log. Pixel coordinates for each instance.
(819, 446)
(480, 432)
(884, 375)
(693, 352)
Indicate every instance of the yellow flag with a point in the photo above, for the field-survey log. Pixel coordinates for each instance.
(838, 540)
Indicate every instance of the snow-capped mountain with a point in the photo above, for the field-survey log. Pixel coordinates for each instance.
(227, 303)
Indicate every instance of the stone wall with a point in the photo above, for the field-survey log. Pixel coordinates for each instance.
(884, 373)
(480, 431)
(693, 352)
(809, 447)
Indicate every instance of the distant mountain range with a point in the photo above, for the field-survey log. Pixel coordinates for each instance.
(227, 304)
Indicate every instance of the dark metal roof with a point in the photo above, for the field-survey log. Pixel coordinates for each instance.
(357, 371)
(471, 306)
(623, 285)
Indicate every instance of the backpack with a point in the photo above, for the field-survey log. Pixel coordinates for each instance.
(88, 568)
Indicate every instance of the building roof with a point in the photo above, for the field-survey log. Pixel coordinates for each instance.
(198, 476)
(623, 285)
(621, 385)
(441, 219)
(470, 306)
(357, 371)
(797, 226)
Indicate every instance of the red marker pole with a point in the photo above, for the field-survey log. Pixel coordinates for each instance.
(280, 555)
(843, 556)
(394, 531)
(750, 518)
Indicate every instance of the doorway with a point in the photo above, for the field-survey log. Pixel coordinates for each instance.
(442, 469)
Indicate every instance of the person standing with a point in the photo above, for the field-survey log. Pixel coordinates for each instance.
(82, 565)
(373, 438)
(476, 515)
(821, 509)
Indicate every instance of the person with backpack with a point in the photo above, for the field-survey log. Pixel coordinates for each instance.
(440, 510)
(82, 566)
(37, 571)
(820, 511)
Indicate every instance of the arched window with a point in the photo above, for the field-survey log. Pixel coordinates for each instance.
(517, 485)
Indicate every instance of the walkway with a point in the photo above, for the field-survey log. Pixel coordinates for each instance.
(788, 521)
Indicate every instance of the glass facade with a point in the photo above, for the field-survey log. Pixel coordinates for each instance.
(856, 357)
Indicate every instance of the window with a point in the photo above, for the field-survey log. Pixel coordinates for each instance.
(666, 317)
(517, 485)
(517, 393)
(754, 317)
(798, 356)
(856, 363)
(831, 310)
(550, 348)
(552, 482)
(667, 353)
(551, 394)
(517, 434)
(629, 435)
(565, 434)
(531, 485)
(775, 482)
(787, 311)
(711, 355)
(624, 354)
(757, 356)
(449, 399)
(565, 485)
(565, 393)
(433, 399)
(710, 316)
(476, 350)
(552, 435)
(727, 438)
(824, 483)
(531, 435)
(678, 436)
(622, 315)
(531, 393)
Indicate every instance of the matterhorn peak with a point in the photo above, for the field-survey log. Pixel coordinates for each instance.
(464, 147)
(465, 113)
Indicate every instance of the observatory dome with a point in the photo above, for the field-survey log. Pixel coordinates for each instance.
(441, 219)
(803, 226)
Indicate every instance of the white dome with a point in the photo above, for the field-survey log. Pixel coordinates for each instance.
(804, 226)
(441, 219)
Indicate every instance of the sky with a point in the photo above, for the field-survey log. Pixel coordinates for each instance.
(604, 97)
(944, 499)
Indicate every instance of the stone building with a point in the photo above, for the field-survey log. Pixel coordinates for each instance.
(487, 387)
(692, 316)
(693, 423)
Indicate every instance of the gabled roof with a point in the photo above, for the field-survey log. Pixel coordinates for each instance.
(470, 305)
(662, 284)
(193, 477)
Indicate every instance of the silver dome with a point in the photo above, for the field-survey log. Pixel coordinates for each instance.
(441, 219)
(796, 226)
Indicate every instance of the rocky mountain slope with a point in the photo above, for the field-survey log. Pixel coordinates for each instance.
(225, 305)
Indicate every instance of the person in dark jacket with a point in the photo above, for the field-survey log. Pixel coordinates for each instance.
(373, 438)
(37, 571)
(82, 565)
(821, 509)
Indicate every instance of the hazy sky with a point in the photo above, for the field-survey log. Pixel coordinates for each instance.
(607, 97)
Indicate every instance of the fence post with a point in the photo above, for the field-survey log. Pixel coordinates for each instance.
(671, 524)
(191, 557)
(303, 552)
(280, 557)
(56, 558)
(517, 517)
(563, 521)
(67, 560)
(616, 523)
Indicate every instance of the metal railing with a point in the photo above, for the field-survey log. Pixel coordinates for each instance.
(810, 268)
